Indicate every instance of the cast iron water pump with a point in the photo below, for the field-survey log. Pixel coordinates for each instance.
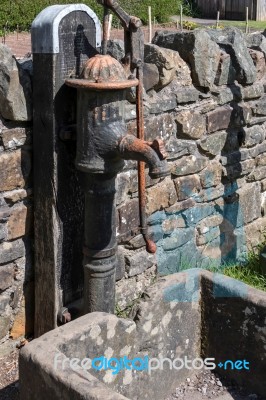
(102, 145)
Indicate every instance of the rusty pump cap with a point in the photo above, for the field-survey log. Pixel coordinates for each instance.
(102, 72)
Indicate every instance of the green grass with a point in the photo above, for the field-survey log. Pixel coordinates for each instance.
(254, 25)
(248, 272)
(246, 275)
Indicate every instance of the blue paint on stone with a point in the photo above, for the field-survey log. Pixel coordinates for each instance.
(227, 287)
(184, 292)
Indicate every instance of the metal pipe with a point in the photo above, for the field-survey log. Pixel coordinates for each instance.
(150, 245)
(132, 148)
(105, 30)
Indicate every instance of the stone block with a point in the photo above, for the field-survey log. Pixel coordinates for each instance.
(259, 106)
(173, 223)
(211, 221)
(14, 196)
(190, 125)
(10, 251)
(261, 160)
(256, 41)
(150, 76)
(6, 276)
(19, 222)
(2, 232)
(259, 62)
(135, 243)
(137, 263)
(197, 49)
(256, 120)
(249, 202)
(161, 103)
(128, 216)
(207, 237)
(211, 175)
(15, 88)
(14, 169)
(258, 174)
(232, 41)
(4, 302)
(169, 63)
(178, 239)
(4, 326)
(213, 144)
(253, 135)
(252, 92)
(121, 265)
(17, 295)
(156, 233)
(241, 115)
(235, 157)
(219, 119)
(223, 95)
(188, 165)
(187, 95)
(130, 289)
(4, 214)
(177, 208)
(177, 148)
(226, 73)
(239, 169)
(210, 194)
(19, 325)
(263, 185)
(162, 126)
(259, 149)
(255, 233)
(122, 186)
(133, 187)
(187, 186)
(14, 138)
(233, 141)
(157, 218)
(160, 196)
(116, 49)
(130, 112)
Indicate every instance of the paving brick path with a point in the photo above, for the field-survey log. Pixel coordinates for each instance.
(20, 43)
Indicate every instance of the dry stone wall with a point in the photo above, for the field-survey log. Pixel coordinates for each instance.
(16, 203)
(205, 97)
(206, 100)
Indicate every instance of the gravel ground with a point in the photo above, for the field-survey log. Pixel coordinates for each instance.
(9, 376)
(206, 385)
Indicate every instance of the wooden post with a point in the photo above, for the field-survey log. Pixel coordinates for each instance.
(63, 38)
(150, 24)
(181, 18)
(109, 26)
(218, 19)
(246, 19)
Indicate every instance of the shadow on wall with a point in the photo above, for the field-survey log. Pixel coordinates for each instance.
(210, 226)
(70, 204)
(207, 227)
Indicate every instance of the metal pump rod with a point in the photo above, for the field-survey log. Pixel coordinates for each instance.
(105, 29)
(134, 51)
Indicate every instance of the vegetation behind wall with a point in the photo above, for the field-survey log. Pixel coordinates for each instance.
(20, 13)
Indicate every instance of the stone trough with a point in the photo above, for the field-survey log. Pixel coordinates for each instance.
(182, 317)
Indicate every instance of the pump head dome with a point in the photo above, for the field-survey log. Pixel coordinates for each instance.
(102, 72)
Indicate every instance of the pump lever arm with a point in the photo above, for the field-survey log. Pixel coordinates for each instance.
(118, 11)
